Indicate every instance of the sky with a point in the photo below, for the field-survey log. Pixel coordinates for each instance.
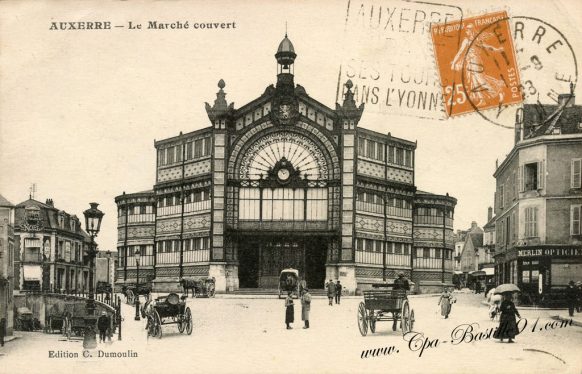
(80, 109)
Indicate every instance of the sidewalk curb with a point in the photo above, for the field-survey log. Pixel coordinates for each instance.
(574, 323)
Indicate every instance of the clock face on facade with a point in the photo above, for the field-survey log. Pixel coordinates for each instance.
(283, 174)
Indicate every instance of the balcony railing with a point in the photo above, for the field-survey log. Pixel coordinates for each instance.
(375, 258)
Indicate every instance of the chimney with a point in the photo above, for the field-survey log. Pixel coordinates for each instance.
(518, 125)
(567, 100)
(49, 202)
(489, 214)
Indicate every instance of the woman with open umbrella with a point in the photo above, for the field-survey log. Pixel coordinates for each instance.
(507, 324)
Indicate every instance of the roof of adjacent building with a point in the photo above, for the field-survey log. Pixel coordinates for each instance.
(49, 218)
(5, 203)
(542, 120)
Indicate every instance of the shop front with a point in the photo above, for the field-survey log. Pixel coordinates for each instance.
(544, 272)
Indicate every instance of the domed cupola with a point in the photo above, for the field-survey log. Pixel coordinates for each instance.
(285, 59)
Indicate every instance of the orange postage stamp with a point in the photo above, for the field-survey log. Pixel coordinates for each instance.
(477, 65)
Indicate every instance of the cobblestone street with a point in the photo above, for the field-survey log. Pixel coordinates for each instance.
(248, 335)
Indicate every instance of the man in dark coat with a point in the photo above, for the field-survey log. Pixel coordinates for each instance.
(102, 326)
(289, 310)
(571, 297)
(338, 292)
(401, 283)
(2, 331)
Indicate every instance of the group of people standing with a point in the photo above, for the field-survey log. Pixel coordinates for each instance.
(333, 290)
(305, 308)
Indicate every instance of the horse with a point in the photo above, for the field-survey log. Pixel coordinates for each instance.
(190, 284)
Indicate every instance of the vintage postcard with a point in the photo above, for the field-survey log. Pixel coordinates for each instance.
(355, 186)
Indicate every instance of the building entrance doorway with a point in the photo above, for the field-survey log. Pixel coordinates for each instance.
(261, 260)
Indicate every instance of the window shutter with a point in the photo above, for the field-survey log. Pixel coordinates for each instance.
(535, 221)
(541, 174)
(520, 178)
(576, 173)
(575, 219)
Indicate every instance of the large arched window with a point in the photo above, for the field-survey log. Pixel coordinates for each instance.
(301, 152)
(290, 196)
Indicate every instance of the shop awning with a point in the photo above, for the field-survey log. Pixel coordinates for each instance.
(458, 272)
(32, 272)
(489, 271)
(477, 273)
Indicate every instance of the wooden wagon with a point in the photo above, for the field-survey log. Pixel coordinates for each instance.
(383, 303)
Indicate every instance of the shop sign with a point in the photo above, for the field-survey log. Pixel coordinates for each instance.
(554, 252)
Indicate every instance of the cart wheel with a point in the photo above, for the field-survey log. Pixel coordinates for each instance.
(372, 319)
(211, 293)
(182, 322)
(362, 319)
(405, 317)
(411, 323)
(189, 323)
(158, 325)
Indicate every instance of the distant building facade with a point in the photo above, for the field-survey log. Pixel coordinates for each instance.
(50, 249)
(538, 200)
(7, 263)
(285, 181)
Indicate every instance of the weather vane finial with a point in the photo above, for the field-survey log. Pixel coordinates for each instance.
(285, 28)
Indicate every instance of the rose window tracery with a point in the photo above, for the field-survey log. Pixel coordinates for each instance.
(300, 151)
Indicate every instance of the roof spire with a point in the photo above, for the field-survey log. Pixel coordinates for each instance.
(285, 28)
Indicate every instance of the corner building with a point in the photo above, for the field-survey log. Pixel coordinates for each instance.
(284, 181)
(538, 202)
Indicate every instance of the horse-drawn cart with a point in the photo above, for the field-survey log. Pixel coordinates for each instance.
(166, 310)
(385, 305)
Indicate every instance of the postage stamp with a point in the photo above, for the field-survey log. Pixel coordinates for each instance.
(388, 57)
(481, 71)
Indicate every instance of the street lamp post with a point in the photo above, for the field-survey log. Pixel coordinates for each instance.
(93, 217)
(137, 255)
(109, 282)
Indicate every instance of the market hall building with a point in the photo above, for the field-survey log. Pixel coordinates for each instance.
(284, 181)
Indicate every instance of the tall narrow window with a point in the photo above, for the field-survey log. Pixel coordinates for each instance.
(207, 146)
(361, 146)
(189, 151)
(391, 153)
(531, 228)
(170, 154)
(198, 148)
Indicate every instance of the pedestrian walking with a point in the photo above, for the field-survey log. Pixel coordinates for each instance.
(478, 287)
(571, 297)
(507, 328)
(330, 291)
(289, 310)
(445, 302)
(102, 325)
(338, 292)
(2, 331)
(305, 307)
